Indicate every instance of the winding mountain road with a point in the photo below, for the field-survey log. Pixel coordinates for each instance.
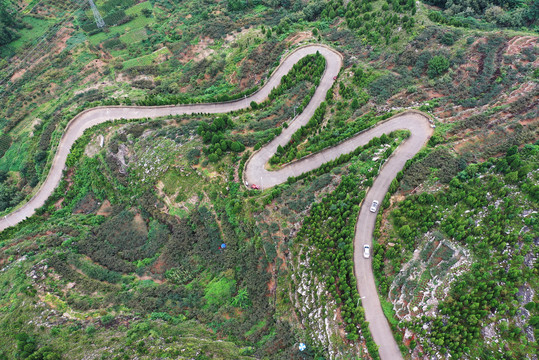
(255, 172)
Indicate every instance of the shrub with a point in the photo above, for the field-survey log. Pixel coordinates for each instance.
(437, 66)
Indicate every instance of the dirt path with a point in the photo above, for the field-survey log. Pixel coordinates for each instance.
(416, 122)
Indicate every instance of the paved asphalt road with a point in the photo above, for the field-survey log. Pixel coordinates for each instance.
(94, 116)
(255, 172)
(421, 131)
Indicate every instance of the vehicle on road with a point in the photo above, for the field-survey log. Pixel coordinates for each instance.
(255, 187)
(374, 206)
(366, 251)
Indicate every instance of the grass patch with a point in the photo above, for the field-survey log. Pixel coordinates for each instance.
(181, 213)
(75, 40)
(39, 27)
(387, 307)
(14, 157)
(175, 180)
(134, 36)
(137, 23)
(256, 327)
(136, 10)
(146, 59)
(219, 291)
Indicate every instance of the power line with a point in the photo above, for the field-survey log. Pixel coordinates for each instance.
(52, 31)
(97, 16)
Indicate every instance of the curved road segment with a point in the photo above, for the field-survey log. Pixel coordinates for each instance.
(256, 173)
(421, 131)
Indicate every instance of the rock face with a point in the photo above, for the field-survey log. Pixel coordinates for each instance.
(319, 313)
(426, 278)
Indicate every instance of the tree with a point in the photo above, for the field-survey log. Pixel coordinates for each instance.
(146, 12)
(437, 66)
(8, 24)
(235, 5)
(236, 146)
(405, 231)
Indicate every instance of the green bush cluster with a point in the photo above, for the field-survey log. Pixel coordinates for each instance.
(289, 152)
(478, 293)
(330, 228)
(28, 349)
(213, 134)
(344, 158)
(309, 68)
(372, 25)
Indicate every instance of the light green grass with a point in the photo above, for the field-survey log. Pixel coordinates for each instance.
(30, 6)
(75, 40)
(387, 307)
(14, 157)
(134, 36)
(181, 213)
(174, 180)
(259, 9)
(39, 27)
(135, 24)
(146, 59)
(134, 10)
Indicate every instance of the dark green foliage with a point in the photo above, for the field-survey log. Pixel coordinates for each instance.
(478, 293)
(146, 12)
(93, 271)
(333, 239)
(344, 158)
(214, 134)
(9, 194)
(512, 13)
(5, 143)
(373, 26)
(120, 241)
(385, 86)
(28, 349)
(193, 155)
(8, 23)
(439, 17)
(448, 38)
(114, 43)
(308, 68)
(419, 171)
(437, 66)
(325, 139)
(289, 152)
(330, 228)
(116, 18)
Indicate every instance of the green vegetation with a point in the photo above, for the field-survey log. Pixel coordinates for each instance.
(126, 253)
(500, 13)
(330, 228)
(8, 23)
(373, 22)
(484, 209)
(213, 134)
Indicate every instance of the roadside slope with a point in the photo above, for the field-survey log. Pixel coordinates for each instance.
(98, 115)
(416, 122)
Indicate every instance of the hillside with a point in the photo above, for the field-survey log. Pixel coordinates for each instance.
(151, 247)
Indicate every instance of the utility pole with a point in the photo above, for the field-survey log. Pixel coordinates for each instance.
(97, 16)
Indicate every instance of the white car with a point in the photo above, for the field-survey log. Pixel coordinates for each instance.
(374, 206)
(366, 251)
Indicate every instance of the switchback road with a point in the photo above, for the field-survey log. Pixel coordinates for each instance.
(416, 122)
